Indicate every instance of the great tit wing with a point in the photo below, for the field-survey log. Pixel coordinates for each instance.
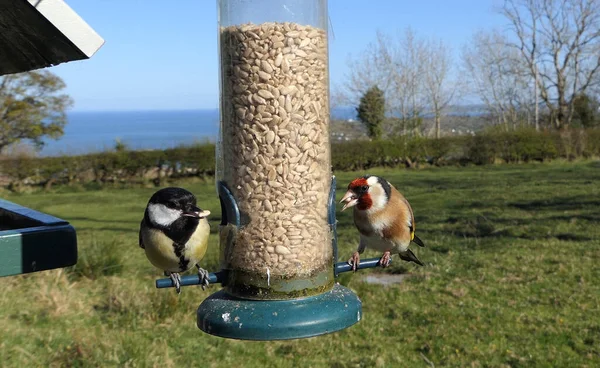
(140, 236)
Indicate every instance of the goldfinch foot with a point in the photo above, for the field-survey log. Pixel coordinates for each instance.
(204, 277)
(354, 261)
(385, 259)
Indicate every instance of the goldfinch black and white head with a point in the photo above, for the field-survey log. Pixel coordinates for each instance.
(174, 233)
(383, 217)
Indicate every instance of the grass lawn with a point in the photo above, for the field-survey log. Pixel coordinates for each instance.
(512, 279)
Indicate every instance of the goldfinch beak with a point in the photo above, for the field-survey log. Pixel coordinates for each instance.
(349, 199)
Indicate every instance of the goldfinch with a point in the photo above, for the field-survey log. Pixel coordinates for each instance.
(383, 218)
(174, 233)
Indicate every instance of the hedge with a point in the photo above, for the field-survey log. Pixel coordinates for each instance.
(523, 145)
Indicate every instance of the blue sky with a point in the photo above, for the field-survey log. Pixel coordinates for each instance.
(163, 54)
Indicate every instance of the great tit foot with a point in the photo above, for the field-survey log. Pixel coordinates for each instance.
(204, 277)
(174, 276)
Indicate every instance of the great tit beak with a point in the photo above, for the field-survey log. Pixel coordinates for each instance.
(349, 199)
(196, 213)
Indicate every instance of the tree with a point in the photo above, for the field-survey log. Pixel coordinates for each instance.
(559, 41)
(438, 87)
(586, 111)
(365, 71)
(413, 74)
(371, 111)
(497, 74)
(404, 59)
(32, 107)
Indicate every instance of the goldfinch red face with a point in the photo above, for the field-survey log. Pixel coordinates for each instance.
(357, 194)
(366, 193)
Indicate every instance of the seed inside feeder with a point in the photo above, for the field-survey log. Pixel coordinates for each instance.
(275, 146)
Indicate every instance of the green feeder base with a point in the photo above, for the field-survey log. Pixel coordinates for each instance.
(227, 316)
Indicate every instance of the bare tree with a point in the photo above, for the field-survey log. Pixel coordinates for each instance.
(438, 87)
(405, 57)
(413, 73)
(401, 61)
(497, 75)
(365, 71)
(559, 41)
(395, 65)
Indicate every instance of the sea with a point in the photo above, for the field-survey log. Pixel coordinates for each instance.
(94, 131)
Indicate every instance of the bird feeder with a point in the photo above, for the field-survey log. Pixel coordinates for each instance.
(278, 232)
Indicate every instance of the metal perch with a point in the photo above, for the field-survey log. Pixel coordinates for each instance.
(221, 276)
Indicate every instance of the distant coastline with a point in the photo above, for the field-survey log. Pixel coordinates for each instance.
(93, 131)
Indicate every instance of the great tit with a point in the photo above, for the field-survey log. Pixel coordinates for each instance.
(174, 233)
(384, 219)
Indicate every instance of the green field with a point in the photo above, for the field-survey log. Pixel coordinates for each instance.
(512, 278)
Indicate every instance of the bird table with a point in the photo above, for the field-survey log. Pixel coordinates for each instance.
(32, 241)
(37, 34)
(278, 242)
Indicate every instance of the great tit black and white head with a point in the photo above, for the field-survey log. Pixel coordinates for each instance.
(170, 204)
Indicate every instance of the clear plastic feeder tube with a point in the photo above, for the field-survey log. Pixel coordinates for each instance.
(274, 149)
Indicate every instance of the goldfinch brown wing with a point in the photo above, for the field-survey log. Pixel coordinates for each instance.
(400, 228)
(412, 225)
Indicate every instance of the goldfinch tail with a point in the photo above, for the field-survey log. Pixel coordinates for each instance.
(418, 241)
(409, 256)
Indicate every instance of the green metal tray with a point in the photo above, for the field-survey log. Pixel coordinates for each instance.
(32, 241)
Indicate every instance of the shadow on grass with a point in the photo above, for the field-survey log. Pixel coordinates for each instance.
(132, 229)
(593, 217)
(557, 204)
(477, 230)
(477, 227)
(135, 225)
(572, 237)
(89, 219)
